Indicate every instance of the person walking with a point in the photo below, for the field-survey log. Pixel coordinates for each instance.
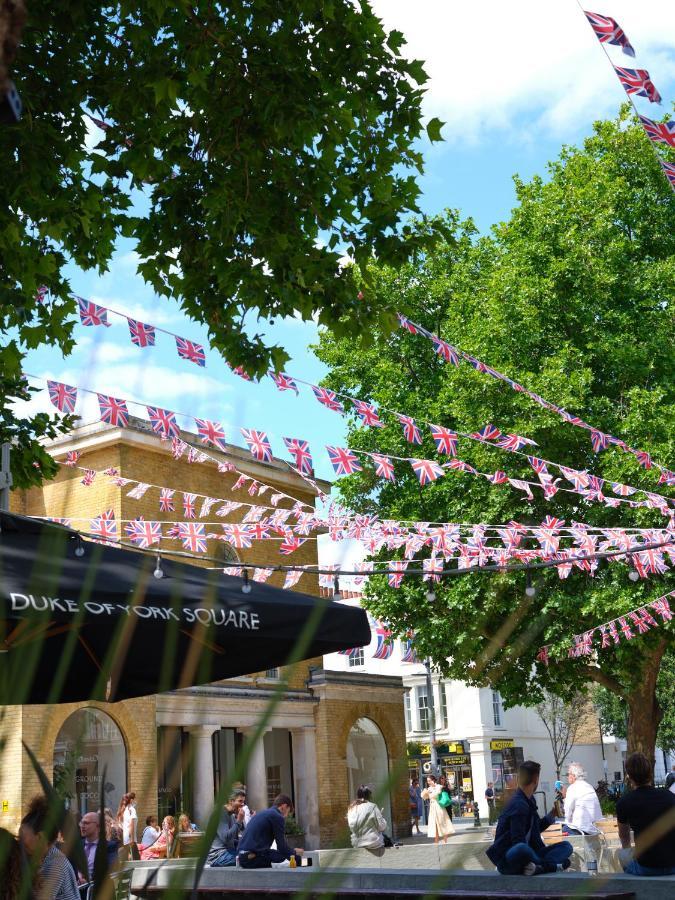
(366, 822)
(582, 807)
(127, 819)
(649, 813)
(416, 803)
(439, 824)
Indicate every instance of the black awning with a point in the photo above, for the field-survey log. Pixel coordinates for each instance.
(101, 626)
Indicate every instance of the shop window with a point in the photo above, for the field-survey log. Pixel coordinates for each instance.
(356, 658)
(423, 707)
(497, 709)
(272, 673)
(408, 711)
(88, 745)
(444, 704)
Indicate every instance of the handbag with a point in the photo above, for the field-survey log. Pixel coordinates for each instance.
(444, 799)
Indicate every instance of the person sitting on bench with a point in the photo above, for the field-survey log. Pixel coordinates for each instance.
(518, 848)
(265, 827)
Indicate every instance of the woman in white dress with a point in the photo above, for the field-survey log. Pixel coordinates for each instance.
(439, 825)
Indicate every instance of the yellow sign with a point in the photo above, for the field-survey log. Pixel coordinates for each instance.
(5, 805)
(466, 785)
(502, 744)
(455, 748)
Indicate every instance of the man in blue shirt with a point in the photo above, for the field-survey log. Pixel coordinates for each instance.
(265, 827)
(518, 848)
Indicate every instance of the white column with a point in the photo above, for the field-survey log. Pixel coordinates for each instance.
(481, 772)
(202, 767)
(306, 781)
(256, 774)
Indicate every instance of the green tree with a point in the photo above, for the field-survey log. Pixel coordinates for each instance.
(572, 296)
(250, 145)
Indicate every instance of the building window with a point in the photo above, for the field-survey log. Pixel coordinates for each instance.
(408, 711)
(272, 673)
(356, 658)
(444, 704)
(423, 707)
(497, 709)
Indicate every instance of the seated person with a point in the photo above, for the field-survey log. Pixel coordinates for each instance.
(582, 807)
(366, 822)
(650, 813)
(150, 832)
(223, 850)
(518, 848)
(185, 825)
(264, 828)
(90, 829)
(163, 846)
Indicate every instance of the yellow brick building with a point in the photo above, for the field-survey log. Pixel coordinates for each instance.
(328, 732)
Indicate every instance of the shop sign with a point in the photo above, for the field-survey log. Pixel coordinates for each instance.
(5, 805)
(502, 744)
(457, 759)
(466, 785)
(442, 749)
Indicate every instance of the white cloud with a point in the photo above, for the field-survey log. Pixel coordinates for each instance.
(489, 62)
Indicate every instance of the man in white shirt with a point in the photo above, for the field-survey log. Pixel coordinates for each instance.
(582, 807)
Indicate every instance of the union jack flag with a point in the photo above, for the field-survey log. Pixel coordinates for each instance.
(659, 132)
(669, 171)
(141, 334)
(609, 631)
(91, 313)
(166, 503)
(643, 620)
(343, 460)
(240, 482)
(650, 562)
(259, 531)
(327, 398)
(238, 535)
(487, 433)
(299, 450)
(426, 470)
(461, 466)
(623, 490)
(433, 569)
(163, 421)
(398, 567)
(211, 433)
(62, 396)
(368, 414)
(258, 444)
(644, 459)
(497, 477)
(407, 324)
(72, 457)
(41, 293)
(291, 579)
(207, 504)
(261, 575)
(190, 351)
(254, 514)
(662, 607)
(284, 382)
(445, 351)
(143, 533)
(446, 440)
(408, 654)
(227, 507)
(638, 82)
(290, 544)
(189, 505)
(385, 646)
(513, 442)
(192, 536)
(548, 536)
(105, 526)
(411, 431)
(599, 441)
(607, 31)
(384, 467)
(113, 411)
(522, 486)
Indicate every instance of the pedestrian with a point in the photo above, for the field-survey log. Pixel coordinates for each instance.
(37, 833)
(366, 822)
(649, 813)
(439, 825)
(266, 827)
(150, 832)
(559, 800)
(490, 800)
(443, 781)
(223, 850)
(518, 848)
(416, 803)
(127, 820)
(164, 845)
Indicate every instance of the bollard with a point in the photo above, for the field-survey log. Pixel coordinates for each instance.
(476, 815)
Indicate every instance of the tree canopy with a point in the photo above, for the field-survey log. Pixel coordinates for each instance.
(572, 296)
(245, 148)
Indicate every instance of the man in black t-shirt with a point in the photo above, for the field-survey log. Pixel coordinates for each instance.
(650, 813)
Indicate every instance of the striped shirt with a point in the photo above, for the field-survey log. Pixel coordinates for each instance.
(58, 877)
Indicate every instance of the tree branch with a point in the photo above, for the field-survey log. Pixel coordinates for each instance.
(606, 681)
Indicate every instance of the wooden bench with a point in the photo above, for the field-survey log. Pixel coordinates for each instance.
(188, 844)
(553, 834)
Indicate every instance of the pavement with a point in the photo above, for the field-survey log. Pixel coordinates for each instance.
(464, 830)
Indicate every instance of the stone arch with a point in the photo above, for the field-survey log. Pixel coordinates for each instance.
(367, 761)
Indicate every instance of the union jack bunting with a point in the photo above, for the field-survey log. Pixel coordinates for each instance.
(363, 567)
(92, 314)
(607, 31)
(41, 293)
(89, 477)
(261, 575)
(599, 441)
(669, 171)
(178, 447)
(207, 505)
(609, 631)
(227, 507)
(445, 351)
(211, 433)
(384, 467)
(649, 562)
(240, 371)
(385, 646)
(368, 414)
(290, 544)
(113, 411)
(238, 535)
(575, 477)
(299, 450)
(166, 503)
(433, 569)
(196, 456)
(411, 431)
(638, 82)
(445, 440)
(642, 620)
(398, 567)
(142, 335)
(143, 533)
(659, 132)
(344, 462)
(327, 398)
(240, 482)
(234, 571)
(189, 505)
(644, 459)
(72, 457)
(163, 421)
(192, 536)
(190, 351)
(105, 526)
(258, 444)
(461, 466)
(662, 607)
(407, 324)
(497, 477)
(291, 579)
(487, 433)
(522, 486)
(225, 467)
(408, 654)
(284, 382)
(62, 396)
(623, 490)
(513, 442)
(254, 514)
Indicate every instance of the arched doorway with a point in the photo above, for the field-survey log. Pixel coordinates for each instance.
(368, 763)
(89, 744)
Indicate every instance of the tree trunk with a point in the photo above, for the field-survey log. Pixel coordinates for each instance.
(644, 712)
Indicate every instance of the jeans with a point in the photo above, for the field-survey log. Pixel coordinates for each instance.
(634, 868)
(521, 854)
(225, 858)
(263, 859)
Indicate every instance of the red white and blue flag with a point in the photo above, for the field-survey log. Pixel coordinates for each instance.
(143, 533)
(91, 314)
(669, 171)
(599, 440)
(343, 460)
(163, 421)
(487, 433)
(113, 411)
(385, 645)
(384, 467)
(368, 414)
(240, 371)
(189, 501)
(411, 431)
(166, 503)
(190, 351)
(300, 452)
(445, 351)
(290, 544)
(211, 433)
(426, 470)
(142, 335)
(258, 444)
(327, 398)
(105, 526)
(446, 440)
(638, 82)
(238, 535)
(659, 132)
(397, 570)
(407, 324)
(192, 536)
(408, 654)
(608, 31)
(513, 442)
(62, 396)
(284, 382)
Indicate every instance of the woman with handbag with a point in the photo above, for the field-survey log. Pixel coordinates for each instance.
(440, 826)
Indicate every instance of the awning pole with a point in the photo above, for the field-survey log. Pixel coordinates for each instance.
(5, 477)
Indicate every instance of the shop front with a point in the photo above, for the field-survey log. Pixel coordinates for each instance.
(454, 762)
(506, 758)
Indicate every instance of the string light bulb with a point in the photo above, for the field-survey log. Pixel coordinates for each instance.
(79, 549)
(530, 589)
(246, 586)
(159, 571)
(431, 595)
(634, 575)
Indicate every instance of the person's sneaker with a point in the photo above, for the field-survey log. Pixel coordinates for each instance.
(530, 869)
(284, 864)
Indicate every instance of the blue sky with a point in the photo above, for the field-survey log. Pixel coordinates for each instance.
(513, 81)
